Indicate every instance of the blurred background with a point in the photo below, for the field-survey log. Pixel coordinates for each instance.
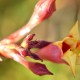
(16, 13)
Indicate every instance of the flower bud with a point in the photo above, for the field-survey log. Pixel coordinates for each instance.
(51, 53)
(42, 11)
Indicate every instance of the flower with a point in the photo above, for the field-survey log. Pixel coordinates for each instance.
(64, 51)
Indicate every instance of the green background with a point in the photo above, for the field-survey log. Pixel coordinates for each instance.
(16, 13)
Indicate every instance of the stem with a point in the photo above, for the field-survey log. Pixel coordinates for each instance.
(4, 51)
(19, 34)
(42, 11)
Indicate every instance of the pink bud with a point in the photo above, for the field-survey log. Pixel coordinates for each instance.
(42, 11)
(51, 53)
(45, 8)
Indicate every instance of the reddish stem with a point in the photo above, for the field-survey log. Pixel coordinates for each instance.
(37, 68)
(19, 34)
(42, 11)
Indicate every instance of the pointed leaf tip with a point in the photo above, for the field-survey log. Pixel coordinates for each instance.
(39, 69)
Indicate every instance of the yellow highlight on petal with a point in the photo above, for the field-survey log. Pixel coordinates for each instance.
(72, 42)
(74, 32)
(70, 58)
(58, 43)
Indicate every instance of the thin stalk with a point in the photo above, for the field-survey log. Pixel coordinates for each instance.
(42, 11)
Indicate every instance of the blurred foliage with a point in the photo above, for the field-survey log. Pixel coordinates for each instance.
(15, 13)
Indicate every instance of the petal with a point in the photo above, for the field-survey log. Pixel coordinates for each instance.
(74, 32)
(77, 51)
(71, 42)
(70, 58)
(51, 53)
(78, 60)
